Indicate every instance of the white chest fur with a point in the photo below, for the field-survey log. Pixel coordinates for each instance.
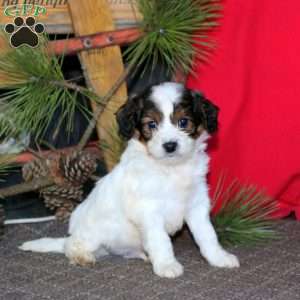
(160, 189)
(174, 202)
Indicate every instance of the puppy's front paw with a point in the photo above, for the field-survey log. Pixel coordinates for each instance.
(224, 260)
(168, 270)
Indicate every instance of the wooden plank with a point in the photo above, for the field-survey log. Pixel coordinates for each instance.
(101, 67)
(58, 20)
(99, 40)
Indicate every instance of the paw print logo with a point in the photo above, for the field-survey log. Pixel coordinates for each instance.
(24, 33)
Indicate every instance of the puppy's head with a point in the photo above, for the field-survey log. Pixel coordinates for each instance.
(167, 119)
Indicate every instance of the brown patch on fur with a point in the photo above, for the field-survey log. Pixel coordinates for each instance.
(198, 132)
(181, 112)
(150, 115)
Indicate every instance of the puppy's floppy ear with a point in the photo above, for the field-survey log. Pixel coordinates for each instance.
(205, 111)
(128, 116)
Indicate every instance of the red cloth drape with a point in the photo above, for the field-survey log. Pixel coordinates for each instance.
(254, 77)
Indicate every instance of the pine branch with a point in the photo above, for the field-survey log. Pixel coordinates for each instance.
(69, 85)
(244, 216)
(172, 28)
(64, 84)
(35, 91)
(26, 187)
(34, 185)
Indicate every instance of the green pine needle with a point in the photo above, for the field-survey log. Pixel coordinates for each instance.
(245, 215)
(171, 29)
(32, 96)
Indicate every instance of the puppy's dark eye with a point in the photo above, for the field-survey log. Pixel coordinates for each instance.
(183, 123)
(152, 125)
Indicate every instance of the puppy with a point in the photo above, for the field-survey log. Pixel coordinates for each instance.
(159, 184)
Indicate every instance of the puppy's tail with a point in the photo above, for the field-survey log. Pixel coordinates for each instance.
(45, 245)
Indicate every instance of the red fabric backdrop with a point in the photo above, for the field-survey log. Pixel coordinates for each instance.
(254, 77)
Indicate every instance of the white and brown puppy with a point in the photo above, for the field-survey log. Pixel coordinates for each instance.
(159, 184)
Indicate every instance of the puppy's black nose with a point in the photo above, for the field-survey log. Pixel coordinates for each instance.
(170, 147)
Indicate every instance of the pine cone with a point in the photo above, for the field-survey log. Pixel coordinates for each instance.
(53, 203)
(68, 193)
(55, 196)
(63, 213)
(69, 173)
(34, 169)
(62, 200)
(77, 167)
(2, 219)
